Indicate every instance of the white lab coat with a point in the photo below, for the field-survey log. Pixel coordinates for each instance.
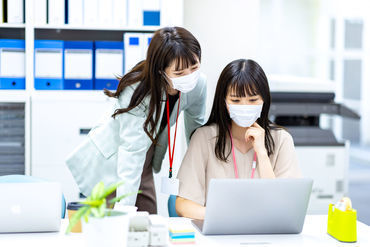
(116, 149)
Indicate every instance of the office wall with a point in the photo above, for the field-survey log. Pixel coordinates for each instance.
(226, 30)
(293, 38)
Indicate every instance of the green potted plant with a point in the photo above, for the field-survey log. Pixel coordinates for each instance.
(101, 225)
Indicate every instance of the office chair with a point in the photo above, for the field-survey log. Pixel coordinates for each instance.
(29, 179)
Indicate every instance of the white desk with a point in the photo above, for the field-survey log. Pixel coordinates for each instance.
(313, 234)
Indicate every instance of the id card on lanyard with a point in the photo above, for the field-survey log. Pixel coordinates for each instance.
(170, 185)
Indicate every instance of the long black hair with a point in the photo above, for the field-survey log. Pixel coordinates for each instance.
(244, 77)
(169, 44)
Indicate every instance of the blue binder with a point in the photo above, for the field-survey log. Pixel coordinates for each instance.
(8, 81)
(151, 18)
(149, 40)
(49, 56)
(78, 48)
(110, 82)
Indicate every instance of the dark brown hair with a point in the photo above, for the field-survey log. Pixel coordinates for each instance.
(242, 77)
(169, 44)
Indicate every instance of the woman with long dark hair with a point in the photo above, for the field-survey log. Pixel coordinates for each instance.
(238, 141)
(133, 140)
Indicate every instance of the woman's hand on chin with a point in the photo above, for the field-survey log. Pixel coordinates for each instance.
(256, 134)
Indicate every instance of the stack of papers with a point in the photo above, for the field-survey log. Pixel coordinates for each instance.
(182, 234)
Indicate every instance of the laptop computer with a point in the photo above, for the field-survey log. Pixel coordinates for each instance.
(30, 207)
(255, 206)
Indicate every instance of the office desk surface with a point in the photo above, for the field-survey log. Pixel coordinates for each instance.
(313, 234)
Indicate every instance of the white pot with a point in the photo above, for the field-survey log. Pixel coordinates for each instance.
(108, 231)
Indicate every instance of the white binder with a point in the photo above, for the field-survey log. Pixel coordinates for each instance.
(151, 12)
(56, 12)
(48, 63)
(172, 12)
(151, 4)
(91, 12)
(1, 12)
(40, 11)
(75, 12)
(135, 13)
(147, 37)
(78, 64)
(12, 62)
(109, 64)
(120, 13)
(106, 13)
(133, 47)
(15, 11)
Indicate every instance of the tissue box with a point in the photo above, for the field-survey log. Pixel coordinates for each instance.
(342, 225)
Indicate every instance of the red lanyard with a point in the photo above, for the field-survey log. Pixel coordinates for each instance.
(234, 159)
(169, 133)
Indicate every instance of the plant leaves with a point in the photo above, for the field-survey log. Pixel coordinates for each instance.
(95, 212)
(102, 208)
(86, 215)
(94, 203)
(98, 191)
(117, 199)
(111, 188)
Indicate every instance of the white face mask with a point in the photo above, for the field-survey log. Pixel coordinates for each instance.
(245, 115)
(185, 83)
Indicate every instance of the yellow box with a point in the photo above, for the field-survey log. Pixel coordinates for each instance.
(342, 225)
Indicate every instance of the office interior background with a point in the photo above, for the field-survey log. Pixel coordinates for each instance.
(51, 86)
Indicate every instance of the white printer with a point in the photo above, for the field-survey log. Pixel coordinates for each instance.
(297, 103)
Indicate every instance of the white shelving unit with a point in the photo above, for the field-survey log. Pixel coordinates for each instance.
(125, 29)
(10, 25)
(13, 96)
(53, 118)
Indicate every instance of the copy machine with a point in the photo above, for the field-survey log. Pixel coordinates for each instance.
(297, 104)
